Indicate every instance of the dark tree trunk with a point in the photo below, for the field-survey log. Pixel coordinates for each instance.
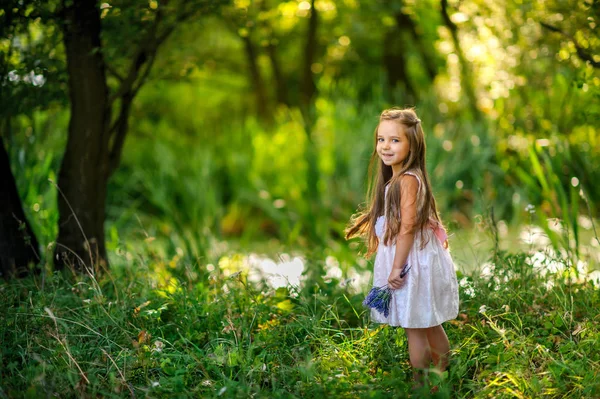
(395, 64)
(308, 92)
(94, 146)
(281, 93)
(405, 23)
(309, 88)
(83, 176)
(465, 69)
(18, 244)
(120, 129)
(280, 83)
(256, 78)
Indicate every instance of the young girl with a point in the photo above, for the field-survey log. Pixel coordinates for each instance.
(401, 223)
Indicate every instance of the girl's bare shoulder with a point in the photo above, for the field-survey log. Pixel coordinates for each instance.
(410, 182)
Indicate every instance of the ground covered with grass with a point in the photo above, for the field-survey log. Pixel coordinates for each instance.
(191, 332)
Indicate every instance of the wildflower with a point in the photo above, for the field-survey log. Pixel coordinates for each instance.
(530, 208)
(346, 282)
(155, 384)
(482, 309)
(379, 299)
(158, 346)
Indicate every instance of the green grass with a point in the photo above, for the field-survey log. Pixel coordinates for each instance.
(161, 327)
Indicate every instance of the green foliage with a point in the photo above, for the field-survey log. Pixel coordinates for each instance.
(199, 167)
(198, 163)
(36, 159)
(150, 331)
(30, 55)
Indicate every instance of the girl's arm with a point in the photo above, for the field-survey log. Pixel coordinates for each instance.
(409, 186)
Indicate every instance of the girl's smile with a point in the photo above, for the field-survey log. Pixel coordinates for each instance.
(393, 146)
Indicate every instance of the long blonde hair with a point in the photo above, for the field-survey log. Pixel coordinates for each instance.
(363, 222)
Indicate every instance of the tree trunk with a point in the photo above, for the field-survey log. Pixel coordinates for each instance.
(405, 23)
(18, 244)
(280, 83)
(315, 211)
(83, 176)
(395, 64)
(256, 78)
(465, 69)
(281, 94)
(309, 88)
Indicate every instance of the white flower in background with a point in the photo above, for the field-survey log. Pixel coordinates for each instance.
(530, 208)
(158, 346)
(333, 272)
(545, 262)
(359, 279)
(486, 270)
(277, 274)
(346, 282)
(33, 78)
(332, 267)
(467, 287)
(584, 222)
(470, 291)
(534, 235)
(482, 309)
(594, 277)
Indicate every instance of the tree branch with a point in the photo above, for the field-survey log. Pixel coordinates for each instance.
(114, 72)
(451, 25)
(147, 46)
(405, 22)
(146, 53)
(143, 59)
(465, 69)
(119, 128)
(142, 80)
(585, 56)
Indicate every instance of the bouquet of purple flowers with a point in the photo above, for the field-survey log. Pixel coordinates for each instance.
(379, 299)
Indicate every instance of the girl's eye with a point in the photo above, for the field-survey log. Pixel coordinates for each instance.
(380, 140)
(396, 140)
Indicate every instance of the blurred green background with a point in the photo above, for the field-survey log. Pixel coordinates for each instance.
(254, 128)
(246, 153)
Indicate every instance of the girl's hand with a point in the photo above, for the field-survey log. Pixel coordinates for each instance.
(394, 280)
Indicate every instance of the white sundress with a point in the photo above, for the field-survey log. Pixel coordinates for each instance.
(429, 295)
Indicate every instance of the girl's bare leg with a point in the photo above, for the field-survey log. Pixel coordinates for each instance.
(439, 346)
(418, 351)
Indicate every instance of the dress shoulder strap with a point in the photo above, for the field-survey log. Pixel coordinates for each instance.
(420, 192)
(415, 175)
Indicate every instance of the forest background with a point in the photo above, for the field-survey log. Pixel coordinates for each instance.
(159, 157)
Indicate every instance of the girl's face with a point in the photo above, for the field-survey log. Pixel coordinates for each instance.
(392, 144)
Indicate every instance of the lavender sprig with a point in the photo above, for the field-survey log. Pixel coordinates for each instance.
(379, 299)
